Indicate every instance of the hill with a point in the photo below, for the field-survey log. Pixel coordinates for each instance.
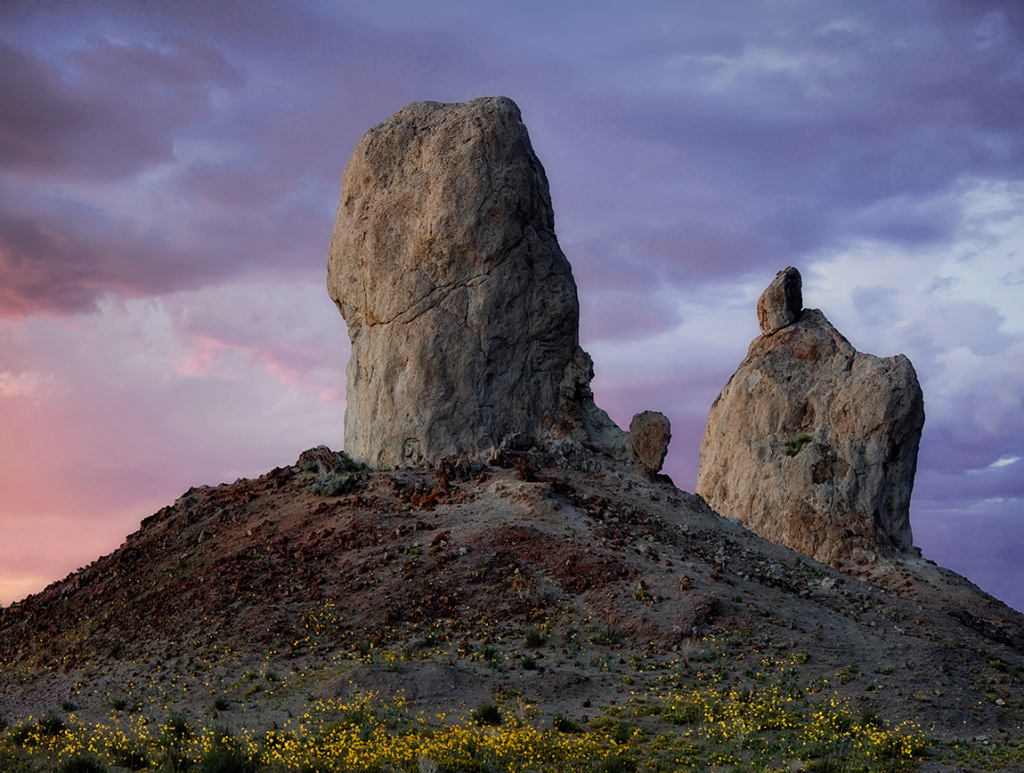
(556, 585)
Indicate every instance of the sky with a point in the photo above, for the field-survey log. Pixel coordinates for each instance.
(169, 178)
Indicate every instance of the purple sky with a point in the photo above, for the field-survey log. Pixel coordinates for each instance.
(169, 174)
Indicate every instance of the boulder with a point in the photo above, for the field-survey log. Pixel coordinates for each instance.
(781, 303)
(812, 444)
(650, 433)
(461, 307)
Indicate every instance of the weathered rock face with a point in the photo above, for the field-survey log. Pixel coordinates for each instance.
(812, 443)
(461, 306)
(649, 434)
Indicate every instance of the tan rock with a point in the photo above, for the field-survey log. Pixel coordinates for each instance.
(461, 306)
(813, 444)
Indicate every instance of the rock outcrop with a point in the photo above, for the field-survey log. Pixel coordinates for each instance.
(811, 443)
(781, 303)
(649, 434)
(461, 307)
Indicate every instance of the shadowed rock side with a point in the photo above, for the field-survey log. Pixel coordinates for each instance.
(812, 443)
(460, 305)
(650, 434)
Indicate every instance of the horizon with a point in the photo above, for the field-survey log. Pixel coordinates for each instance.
(169, 179)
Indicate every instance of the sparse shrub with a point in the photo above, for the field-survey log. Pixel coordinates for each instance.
(52, 724)
(173, 755)
(14, 761)
(889, 748)
(487, 714)
(529, 664)
(68, 706)
(534, 638)
(792, 446)
(683, 714)
(619, 764)
(20, 735)
(605, 636)
(487, 652)
(815, 750)
(81, 763)
(846, 675)
(563, 724)
(119, 704)
(177, 728)
(131, 755)
(332, 484)
(825, 765)
(227, 756)
(221, 703)
(842, 723)
(869, 717)
(622, 734)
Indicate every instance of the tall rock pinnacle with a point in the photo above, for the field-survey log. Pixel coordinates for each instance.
(461, 306)
(812, 443)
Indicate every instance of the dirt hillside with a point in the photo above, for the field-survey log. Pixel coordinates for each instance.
(573, 590)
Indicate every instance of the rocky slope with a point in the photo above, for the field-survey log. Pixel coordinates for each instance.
(550, 575)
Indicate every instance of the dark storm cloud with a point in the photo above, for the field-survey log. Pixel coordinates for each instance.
(115, 112)
(267, 103)
(61, 257)
(796, 131)
(856, 123)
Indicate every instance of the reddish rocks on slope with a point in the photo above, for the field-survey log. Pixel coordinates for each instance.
(812, 443)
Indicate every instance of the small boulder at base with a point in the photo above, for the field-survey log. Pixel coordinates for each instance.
(650, 433)
(812, 444)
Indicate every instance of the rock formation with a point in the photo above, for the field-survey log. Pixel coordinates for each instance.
(781, 302)
(461, 306)
(650, 433)
(812, 443)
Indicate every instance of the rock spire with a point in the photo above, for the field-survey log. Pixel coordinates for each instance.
(812, 443)
(461, 307)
